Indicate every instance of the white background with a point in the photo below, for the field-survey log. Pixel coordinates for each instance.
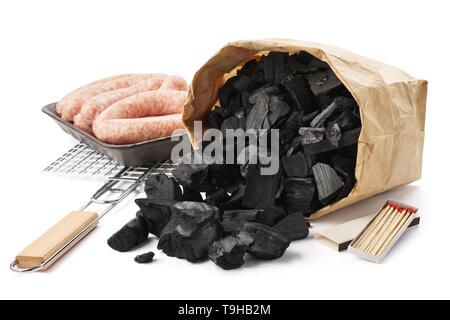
(48, 48)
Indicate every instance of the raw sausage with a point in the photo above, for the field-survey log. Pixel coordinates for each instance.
(96, 105)
(71, 104)
(126, 131)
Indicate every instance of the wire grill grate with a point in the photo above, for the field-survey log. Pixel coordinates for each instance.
(82, 160)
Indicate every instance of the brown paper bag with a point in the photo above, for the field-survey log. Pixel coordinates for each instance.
(392, 106)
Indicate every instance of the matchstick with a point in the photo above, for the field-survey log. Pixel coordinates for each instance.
(386, 236)
(378, 226)
(382, 233)
(397, 230)
(366, 233)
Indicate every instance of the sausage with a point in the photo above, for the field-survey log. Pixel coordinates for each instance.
(60, 105)
(151, 103)
(142, 117)
(126, 131)
(71, 104)
(96, 105)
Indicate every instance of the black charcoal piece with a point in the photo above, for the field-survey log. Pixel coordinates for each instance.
(234, 220)
(295, 165)
(294, 146)
(145, 258)
(310, 135)
(261, 188)
(349, 183)
(242, 83)
(323, 82)
(189, 195)
(217, 196)
(156, 213)
(228, 253)
(290, 127)
(279, 60)
(267, 242)
(345, 103)
(345, 164)
(269, 216)
(327, 181)
(323, 100)
(278, 108)
(298, 194)
(191, 231)
(333, 134)
(235, 202)
(226, 92)
(293, 227)
(130, 235)
(224, 112)
(346, 120)
(319, 120)
(299, 92)
(258, 113)
(263, 91)
(214, 119)
(193, 176)
(232, 123)
(348, 138)
(310, 116)
(224, 174)
(160, 186)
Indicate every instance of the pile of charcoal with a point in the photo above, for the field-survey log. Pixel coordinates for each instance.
(225, 211)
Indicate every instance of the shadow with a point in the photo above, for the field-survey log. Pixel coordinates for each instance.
(289, 256)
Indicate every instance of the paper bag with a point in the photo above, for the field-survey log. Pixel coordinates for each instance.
(392, 107)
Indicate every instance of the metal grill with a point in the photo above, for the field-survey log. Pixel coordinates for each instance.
(82, 160)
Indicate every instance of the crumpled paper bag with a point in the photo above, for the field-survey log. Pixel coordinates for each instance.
(392, 106)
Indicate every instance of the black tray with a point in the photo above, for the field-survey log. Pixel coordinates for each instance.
(135, 154)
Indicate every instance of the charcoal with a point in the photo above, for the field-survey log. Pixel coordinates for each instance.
(258, 113)
(228, 253)
(231, 123)
(245, 99)
(234, 220)
(333, 134)
(349, 182)
(235, 102)
(294, 146)
(294, 65)
(348, 138)
(248, 67)
(156, 213)
(310, 135)
(267, 242)
(236, 200)
(226, 92)
(191, 231)
(130, 235)
(298, 194)
(214, 119)
(267, 90)
(344, 164)
(293, 227)
(323, 82)
(224, 174)
(327, 181)
(216, 197)
(261, 189)
(160, 186)
(299, 92)
(193, 177)
(304, 57)
(145, 258)
(295, 165)
(290, 127)
(345, 103)
(242, 83)
(323, 100)
(277, 109)
(310, 116)
(346, 120)
(270, 215)
(319, 120)
(224, 112)
(279, 60)
(189, 195)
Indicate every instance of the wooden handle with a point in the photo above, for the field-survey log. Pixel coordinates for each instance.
(54, 239)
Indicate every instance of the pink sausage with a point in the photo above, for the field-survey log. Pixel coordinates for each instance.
(96, 105)
(151, 103)
(126, 131)
(72, 102)
(60, 105)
